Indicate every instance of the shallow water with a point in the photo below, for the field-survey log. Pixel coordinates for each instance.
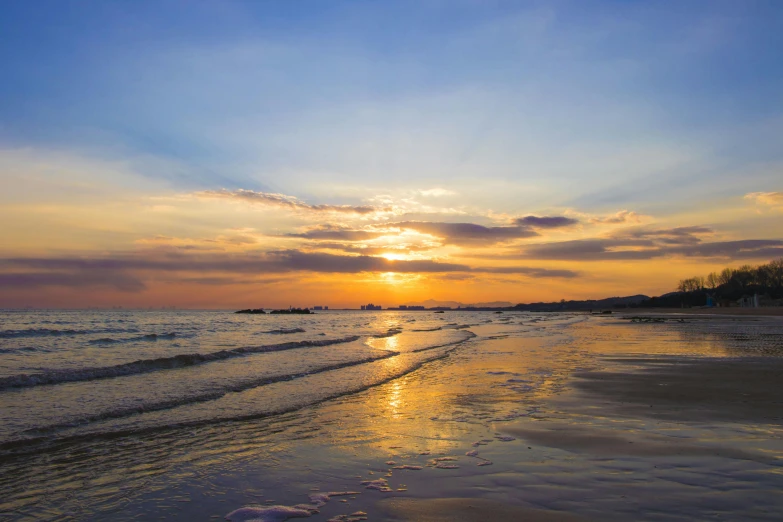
(268, 427)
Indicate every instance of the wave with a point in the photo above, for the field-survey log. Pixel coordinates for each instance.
(203, 397)
(34, 442)
(429, 329)
(146, 337)
(50, 332)
(282, 331)
(455, 326)
(469, 335)
(390, 333)
(152, 365)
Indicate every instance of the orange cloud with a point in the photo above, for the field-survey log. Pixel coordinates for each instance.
(771, 199)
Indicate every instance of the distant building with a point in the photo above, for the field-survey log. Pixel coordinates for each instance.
(318, 308)
(748, 301)
(371, 307)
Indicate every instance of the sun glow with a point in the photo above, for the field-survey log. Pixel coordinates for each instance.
(393, 256)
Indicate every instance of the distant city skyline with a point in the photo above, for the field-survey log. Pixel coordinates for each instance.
(226, 154)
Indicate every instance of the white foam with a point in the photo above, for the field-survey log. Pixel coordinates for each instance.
(267, 514)
(408, 466)
(380, 484)
(353, 517)
(281, 513)
(320, 499)
(443, 463)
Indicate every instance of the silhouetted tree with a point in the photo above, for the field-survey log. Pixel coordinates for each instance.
(725, 276)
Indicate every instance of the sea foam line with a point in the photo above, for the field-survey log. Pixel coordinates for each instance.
(153, 365)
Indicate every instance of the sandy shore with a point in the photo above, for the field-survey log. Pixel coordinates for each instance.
(734, 389)
(465, 510)
(683, 390)
(772, 311)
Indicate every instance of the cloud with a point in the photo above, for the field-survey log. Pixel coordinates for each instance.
(532, 272)
(667, 236)
(772, 199)
(641, 249)
(466, 233)
(743, 249)
(282, 200)
(75, 279)
(402, 248)
(125, 271)
(546, 221)
(593, 250)
(621, 217)
(437, 192)
(337, 233)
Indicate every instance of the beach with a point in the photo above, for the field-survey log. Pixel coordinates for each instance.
(477, 416)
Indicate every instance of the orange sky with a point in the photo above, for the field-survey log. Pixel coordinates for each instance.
(92, 244)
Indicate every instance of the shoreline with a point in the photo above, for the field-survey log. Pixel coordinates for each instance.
(772, 311)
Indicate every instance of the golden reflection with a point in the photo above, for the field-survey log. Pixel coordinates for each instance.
(394, 398)
(385, 343)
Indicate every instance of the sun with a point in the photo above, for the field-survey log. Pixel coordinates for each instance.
(393, 256)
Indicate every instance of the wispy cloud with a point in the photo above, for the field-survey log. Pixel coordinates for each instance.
(621, 217)
(437, 192)
(619, 249)
(73, 279)
(290, 202)
(330, 232)
(127, 271)
(771, 199)
(546, 221)
(667, 236)
(467, 233)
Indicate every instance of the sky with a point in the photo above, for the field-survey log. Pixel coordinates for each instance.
(223, 154)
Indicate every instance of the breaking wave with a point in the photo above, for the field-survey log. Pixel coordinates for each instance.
(152, 365)
(283, 331)
(146, 337)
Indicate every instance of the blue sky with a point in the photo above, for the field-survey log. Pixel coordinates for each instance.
(240, 93)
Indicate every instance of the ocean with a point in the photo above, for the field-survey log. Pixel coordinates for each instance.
(159, 414)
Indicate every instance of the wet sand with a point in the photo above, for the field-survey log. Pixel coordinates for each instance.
(744, 389)
(465, 510)
(766, 311)
(643, 436)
